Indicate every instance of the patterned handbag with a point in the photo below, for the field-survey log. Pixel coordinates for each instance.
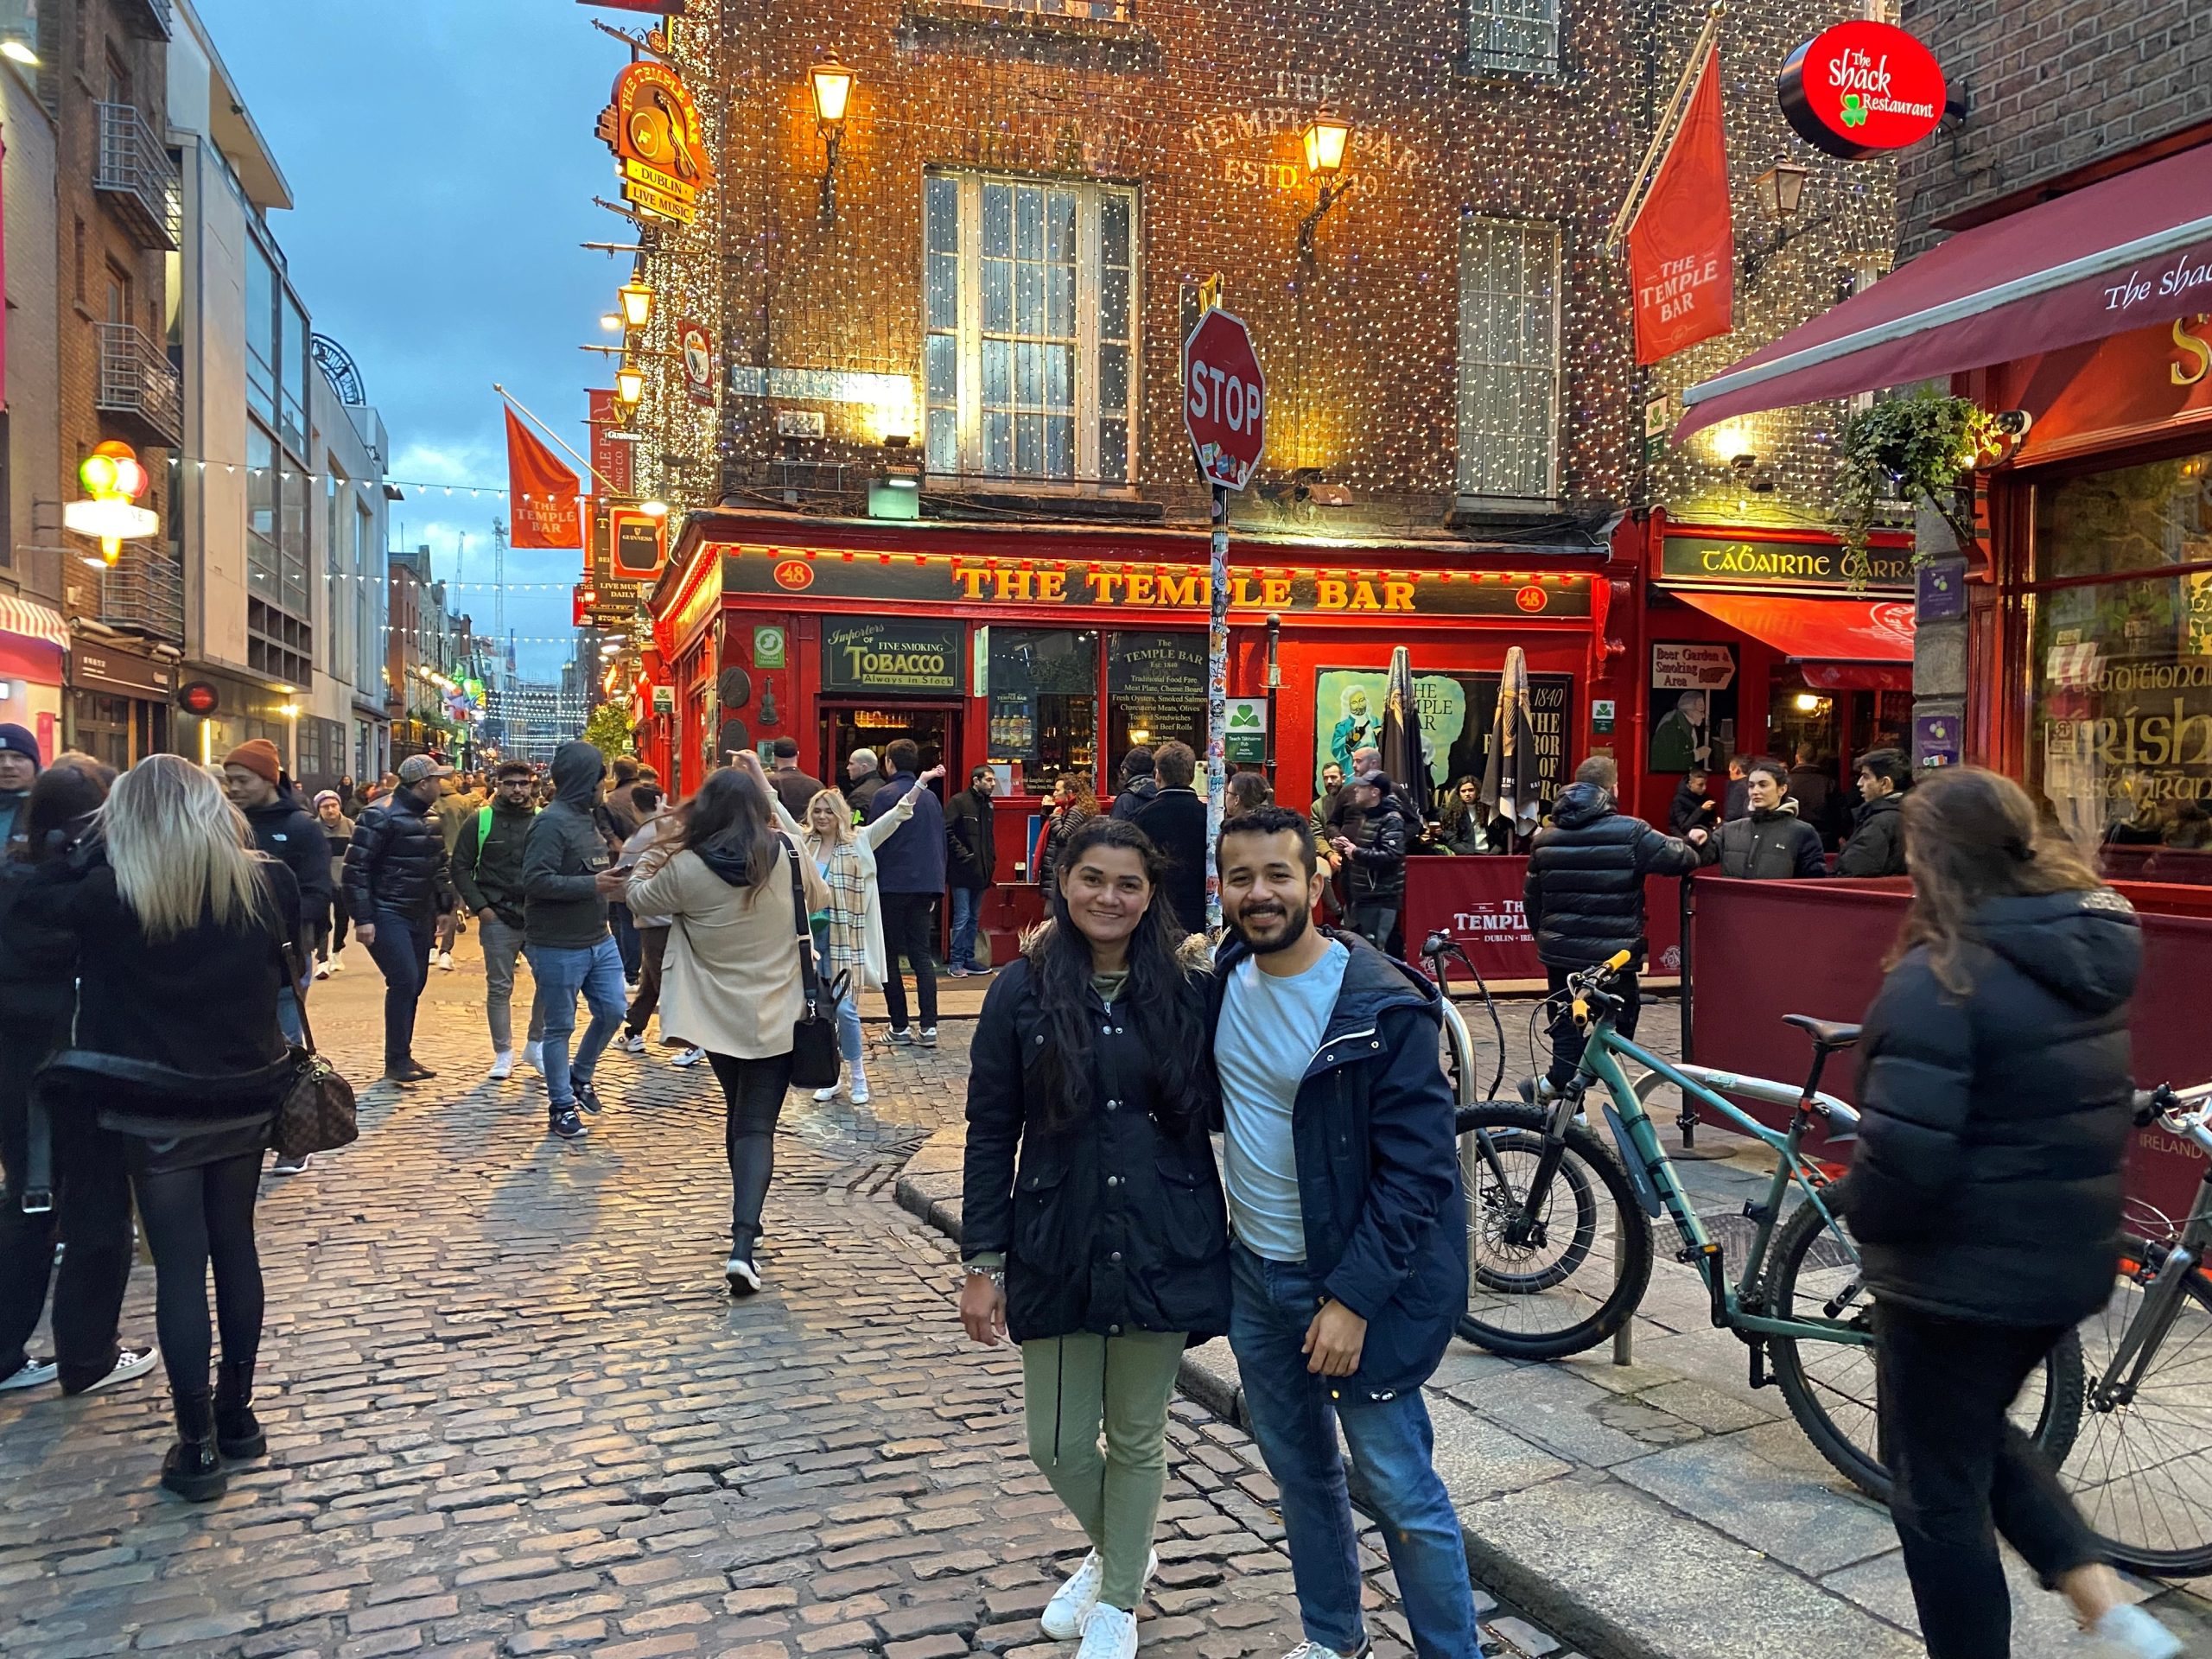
(317, 1112)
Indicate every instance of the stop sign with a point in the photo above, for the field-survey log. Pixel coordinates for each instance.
(1225, 399)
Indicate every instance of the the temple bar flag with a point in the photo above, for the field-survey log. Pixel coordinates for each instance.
(1681, 246)
(542, 493)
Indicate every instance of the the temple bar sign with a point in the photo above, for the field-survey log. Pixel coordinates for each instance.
(1748, 562)
(935, 579)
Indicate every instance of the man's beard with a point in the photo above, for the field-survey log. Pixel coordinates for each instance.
(1295, 930)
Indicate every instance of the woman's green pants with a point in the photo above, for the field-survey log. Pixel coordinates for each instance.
(1075, 1389)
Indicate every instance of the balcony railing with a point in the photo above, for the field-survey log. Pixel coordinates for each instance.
(139, 393)
(145, 591)
(150, 20)
(137, 178)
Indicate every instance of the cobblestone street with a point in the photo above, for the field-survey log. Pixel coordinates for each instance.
(511, 1409)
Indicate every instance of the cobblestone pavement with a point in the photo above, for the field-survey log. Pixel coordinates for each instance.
(511, 1411)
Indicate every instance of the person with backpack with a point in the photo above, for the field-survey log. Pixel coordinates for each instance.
(487, 872)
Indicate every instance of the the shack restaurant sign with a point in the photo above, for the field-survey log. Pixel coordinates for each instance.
(1861, 88)
(831, 574)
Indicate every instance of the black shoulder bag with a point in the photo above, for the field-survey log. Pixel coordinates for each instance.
(814, 1037)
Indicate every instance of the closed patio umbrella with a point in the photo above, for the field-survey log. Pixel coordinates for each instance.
(1510, 778)
(1403, 753)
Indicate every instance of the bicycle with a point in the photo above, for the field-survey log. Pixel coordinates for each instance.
(1548, 1277)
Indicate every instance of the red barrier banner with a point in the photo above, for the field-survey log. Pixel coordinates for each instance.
(1764, 949)
(1477, 901)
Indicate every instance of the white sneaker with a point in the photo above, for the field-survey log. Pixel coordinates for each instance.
(129, 1362)
(533, 1056)
(830, 1093)
(1108, 1633)
(336, 964)
(2131, 1633)
(445, 960)
(861, 1097)
(689, 1056)
(1071, 1605)
(1315, 1650)
(31, 1374)
(322, 970)
(741, 1276)
(633, 1044)
(503, 1065)
(284, 1166)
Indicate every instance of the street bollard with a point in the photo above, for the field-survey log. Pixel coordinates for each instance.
(1623, 1339)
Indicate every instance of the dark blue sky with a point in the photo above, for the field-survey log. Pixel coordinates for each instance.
(442, 166)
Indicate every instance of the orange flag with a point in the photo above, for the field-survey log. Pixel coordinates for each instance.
(1682, 245)
(542, 493)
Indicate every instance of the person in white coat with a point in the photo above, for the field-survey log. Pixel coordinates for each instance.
(850, 934)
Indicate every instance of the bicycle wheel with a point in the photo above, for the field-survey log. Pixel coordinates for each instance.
(1829, 1385)
(2142, 1470)
(1563, 1279)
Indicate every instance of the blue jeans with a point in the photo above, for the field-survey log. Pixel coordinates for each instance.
(849, 1028)
(625, 940)
(967, 909)
(561, 972)
(1294, 1415)
(288, 1014)
(401, 951)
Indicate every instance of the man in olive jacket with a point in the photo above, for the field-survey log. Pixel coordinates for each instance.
(568, 875)
(487, 871)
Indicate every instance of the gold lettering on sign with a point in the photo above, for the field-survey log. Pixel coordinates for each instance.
(2193, 346)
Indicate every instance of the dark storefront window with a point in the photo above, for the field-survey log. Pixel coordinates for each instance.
(1155, 692)
(2119, 749)
(1044, 702)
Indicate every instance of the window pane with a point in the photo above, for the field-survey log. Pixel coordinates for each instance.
(941, 206)
(1114, 451)
(1060, 300)
(1029, 298)
(1029, 378)
(1029, 223)
(1114, 229)
(1114, 304)
(1514, 36)
(1044, 702)
(998, 443)
(2130, 518)
(943, 375)
(1113, 378)
(1508, 310)
(1029, 445)
(998, 372)
(944, 290)
(1059, 448)
(998, 221)
(1059, 389)
(998, 295)
(1060, 245)
(944, 440)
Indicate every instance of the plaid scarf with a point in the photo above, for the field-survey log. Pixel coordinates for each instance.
(844, 938)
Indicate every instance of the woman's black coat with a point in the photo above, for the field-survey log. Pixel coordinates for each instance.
(1110, 1226)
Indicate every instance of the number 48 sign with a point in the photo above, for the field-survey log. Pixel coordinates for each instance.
(1225, 400)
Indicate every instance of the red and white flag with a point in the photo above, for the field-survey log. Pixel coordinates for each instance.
(542, 490)
(1682, 245)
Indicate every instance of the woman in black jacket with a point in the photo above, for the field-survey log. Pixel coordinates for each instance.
(1095, 1231)
(170, 899)
(1986, 1197)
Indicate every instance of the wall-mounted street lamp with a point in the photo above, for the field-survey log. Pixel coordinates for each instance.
(1780, 190)
(833, 89)
(629, 386)
(1325, 138)
(637, 298)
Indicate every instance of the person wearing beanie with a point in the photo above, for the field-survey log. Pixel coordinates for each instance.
(337, 830)
(253, 777)
(19, 767)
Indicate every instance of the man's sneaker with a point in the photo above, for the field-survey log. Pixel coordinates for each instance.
(398, 1080)
(503, 1065)
(336, 964)
(830, 1093)
(929, 1037)
(1108, 1633)
(415, 1071)
(130, 1363)
(565, 1124)
(1315, 1650)
(322, 970)
(588, 1097)
(860, 1094)
(31, 1374)
(956, 971)
(2130, 1633)
(445, 960)
(291, 1164)
(741, 1276)
(533, 1056)
(1069, 1609)
(903, 1036)
(690, 1056)
(632, 1042)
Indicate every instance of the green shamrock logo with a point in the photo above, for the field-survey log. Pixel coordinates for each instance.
(1855, 111)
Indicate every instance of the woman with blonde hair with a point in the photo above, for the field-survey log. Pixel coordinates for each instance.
(167, 899)
(1985, 1197)
(738, 896)
(848, 933)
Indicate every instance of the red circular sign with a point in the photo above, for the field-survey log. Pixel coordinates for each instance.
(1532, 599)
(794, 574)
(1861, 88)
(1225, 400)
(198, 698)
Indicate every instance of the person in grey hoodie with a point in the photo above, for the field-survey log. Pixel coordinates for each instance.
(568, 875)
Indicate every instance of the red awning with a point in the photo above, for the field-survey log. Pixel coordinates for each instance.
(2130, 250)
(1816, 630)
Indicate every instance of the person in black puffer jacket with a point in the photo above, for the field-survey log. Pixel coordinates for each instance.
(396, 884)
(1771, 843)
(1095, 1229)
(1985, 1196)
(1583, 897)
(91, 1193)
(1371, 841)
(1877, 843)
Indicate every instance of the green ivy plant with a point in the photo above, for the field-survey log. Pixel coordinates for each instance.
(1916, 448)
(608, 729)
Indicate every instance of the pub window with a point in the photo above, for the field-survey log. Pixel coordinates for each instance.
(1030, 365)
(1513, 37)
(1155, 692)
(1509, 359)
(2120, 669)
(1043, 685)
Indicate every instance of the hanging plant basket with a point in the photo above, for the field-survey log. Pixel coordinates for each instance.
(1919, 447)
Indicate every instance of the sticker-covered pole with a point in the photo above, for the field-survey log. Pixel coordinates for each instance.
(1217, 701)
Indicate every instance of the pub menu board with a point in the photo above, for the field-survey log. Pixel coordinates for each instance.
(1155, 690)
(1457, 711)
(1043, 689)
(896, 655)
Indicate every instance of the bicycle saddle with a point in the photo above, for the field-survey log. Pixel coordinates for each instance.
(1826, 1033)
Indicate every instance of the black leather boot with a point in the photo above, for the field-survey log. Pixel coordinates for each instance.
(192, 1470)
(237, 1430)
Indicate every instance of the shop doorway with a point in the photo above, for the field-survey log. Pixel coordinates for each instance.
(1816, 726)
(933, 729)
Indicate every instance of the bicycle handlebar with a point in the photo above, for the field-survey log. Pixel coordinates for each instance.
(1592, 980)
(2182, 1112)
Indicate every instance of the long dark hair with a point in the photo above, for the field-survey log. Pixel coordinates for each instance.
(1162, 999)
(63, 799)
(730, 815)
(1971, 835)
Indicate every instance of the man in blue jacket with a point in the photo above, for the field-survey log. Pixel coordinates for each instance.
(1349, 1255)
(910, 876)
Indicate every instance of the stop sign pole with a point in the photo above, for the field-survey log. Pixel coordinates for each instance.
(1224, 410)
